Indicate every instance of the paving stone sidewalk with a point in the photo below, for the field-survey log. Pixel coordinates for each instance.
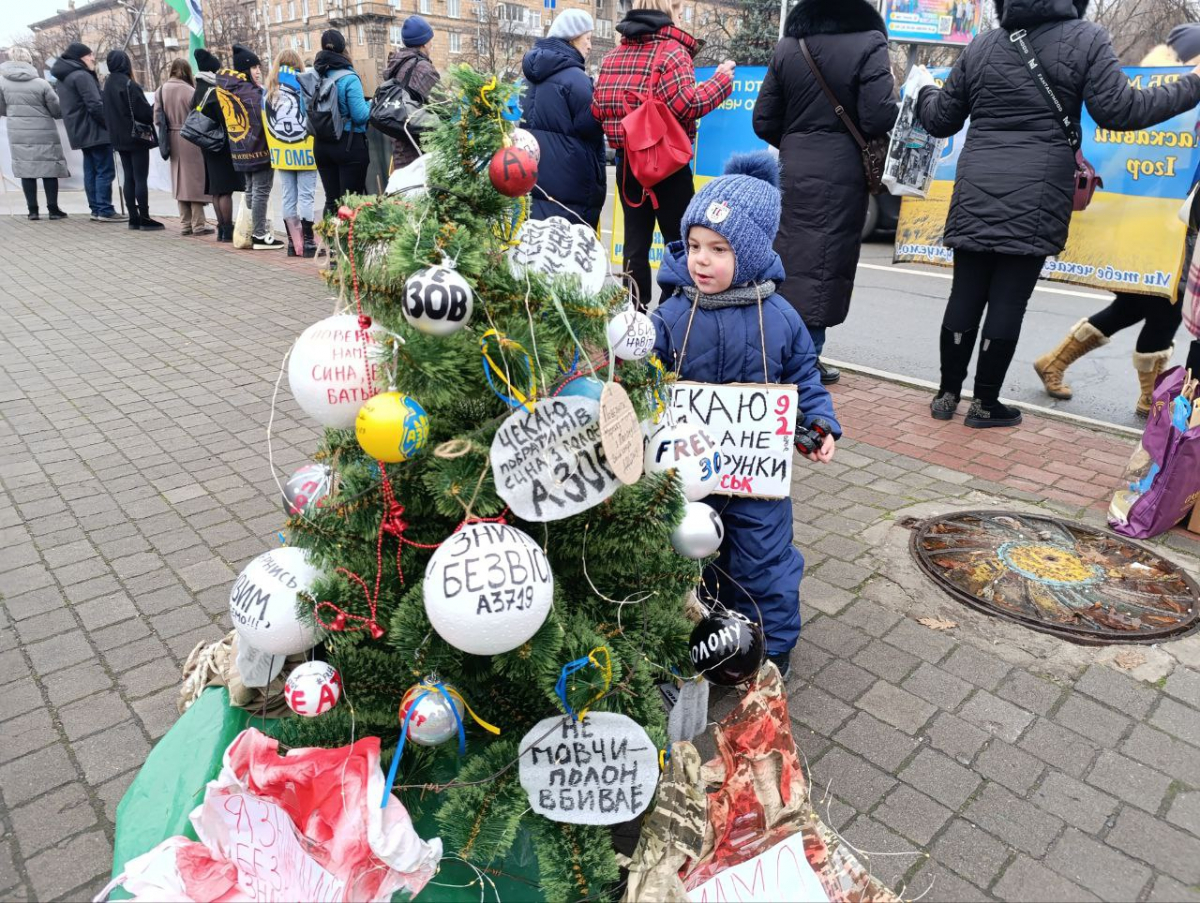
(136, 378)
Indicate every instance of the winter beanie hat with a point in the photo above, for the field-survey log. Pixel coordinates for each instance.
(743, 207)
(1185, 41)
(205, 61)
(244, 59)
(571, 24)
(76, 51)
(332, 39)
(416, 32)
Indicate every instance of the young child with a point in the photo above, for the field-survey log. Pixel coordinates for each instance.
(724, 267)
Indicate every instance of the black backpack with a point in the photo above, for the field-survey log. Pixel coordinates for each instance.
(324, 114)
(396, 112)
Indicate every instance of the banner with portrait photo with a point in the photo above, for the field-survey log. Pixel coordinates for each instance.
(1130, 239)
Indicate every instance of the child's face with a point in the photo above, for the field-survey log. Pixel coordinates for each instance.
(710, 260)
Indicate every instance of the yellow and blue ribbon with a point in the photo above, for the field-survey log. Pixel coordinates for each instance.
(592, 659)
(422, 690)
(513, 396)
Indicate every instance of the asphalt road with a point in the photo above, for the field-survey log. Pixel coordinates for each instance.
(896, 313)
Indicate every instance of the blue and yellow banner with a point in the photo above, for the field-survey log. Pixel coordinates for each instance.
(727, 130)
(1129, 239)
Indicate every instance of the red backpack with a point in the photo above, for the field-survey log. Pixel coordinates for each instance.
(656, 144)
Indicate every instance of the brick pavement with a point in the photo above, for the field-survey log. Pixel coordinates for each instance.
(136, 373)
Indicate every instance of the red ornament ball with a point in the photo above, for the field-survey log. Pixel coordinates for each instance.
(513, 171)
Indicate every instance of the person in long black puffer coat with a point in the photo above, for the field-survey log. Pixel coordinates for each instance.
(558, 113)
(1015, 178)
(824, 186)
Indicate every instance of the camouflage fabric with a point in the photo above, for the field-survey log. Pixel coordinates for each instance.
(671, 834)
(761, 798)
(215, 665)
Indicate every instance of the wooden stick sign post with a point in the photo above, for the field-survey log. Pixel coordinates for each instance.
(754, 426)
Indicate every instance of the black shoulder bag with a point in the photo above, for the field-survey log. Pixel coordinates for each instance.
(1086, 180)
(874, 152)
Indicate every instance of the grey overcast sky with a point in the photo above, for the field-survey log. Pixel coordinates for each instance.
(15, 15)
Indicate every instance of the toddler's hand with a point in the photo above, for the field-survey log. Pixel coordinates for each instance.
(824, 454)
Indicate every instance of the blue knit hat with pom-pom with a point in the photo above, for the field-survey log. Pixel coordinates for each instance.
(743, 207)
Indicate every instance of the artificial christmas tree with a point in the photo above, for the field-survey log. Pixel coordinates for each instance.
(542, 557)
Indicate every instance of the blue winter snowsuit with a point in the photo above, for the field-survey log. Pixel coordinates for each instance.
(558, 111)
(757, 556)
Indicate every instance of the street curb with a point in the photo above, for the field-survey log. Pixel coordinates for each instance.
(913, 382)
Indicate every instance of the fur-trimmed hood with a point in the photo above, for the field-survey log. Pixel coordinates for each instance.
(813, 17)
(1025, 13)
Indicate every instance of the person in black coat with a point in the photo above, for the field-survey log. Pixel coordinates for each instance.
(221, 180)
(83, 117)
(124, 104)
(558, 113)
(1015, 178)
(824, 186)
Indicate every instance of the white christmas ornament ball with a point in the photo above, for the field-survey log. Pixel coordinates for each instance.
(312, 689)
(691, 451)
(526, 141)
(432, 722)
(631, 335)
(700, 532)
(262, 603)
(438, 301)
(488, 589)
(329, 372)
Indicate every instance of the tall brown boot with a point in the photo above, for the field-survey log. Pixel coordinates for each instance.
(1149, 367)
(1052, 366)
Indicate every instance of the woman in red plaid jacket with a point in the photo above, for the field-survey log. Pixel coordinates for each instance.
(649, 38)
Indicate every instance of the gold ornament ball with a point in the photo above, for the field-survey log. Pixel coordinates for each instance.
(392, 427)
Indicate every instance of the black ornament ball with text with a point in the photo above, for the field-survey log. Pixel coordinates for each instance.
(727, 648)
(513, 171)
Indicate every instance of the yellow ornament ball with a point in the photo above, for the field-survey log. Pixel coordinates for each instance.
(392, 427)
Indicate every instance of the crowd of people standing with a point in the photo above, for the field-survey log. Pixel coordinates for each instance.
(828, 88)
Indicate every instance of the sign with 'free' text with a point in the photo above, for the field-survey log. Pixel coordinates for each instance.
(754, 426)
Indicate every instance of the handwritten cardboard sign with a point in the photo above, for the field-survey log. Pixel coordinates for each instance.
(556, 247)
(754, 426)
(621, 434)
(258, 837)
(599, 771)
(780, 875)
(549, 463)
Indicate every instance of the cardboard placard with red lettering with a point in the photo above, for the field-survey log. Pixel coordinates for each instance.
(754, 426)
(549, 463)
(599, 771)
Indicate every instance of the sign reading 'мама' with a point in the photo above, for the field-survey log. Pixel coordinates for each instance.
(598, 771)
(754, 427)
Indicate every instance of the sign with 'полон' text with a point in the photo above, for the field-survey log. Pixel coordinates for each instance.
(754, 427)
(598, 771)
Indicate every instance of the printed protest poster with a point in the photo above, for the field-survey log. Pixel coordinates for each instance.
(725, 131)
(780, 875)
(952, 22)
(754, 427)
(1130, 239)
(598, 771)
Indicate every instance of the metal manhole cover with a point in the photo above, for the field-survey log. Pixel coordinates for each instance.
(1072, 581)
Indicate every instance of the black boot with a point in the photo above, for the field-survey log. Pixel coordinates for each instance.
(56, 213)
(829, 375)
(310, 241)
(956, 349)
(224, 232)
(33, 213)
(135, 221)
(986, 410)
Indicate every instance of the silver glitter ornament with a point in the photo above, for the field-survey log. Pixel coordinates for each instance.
(433, 721)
